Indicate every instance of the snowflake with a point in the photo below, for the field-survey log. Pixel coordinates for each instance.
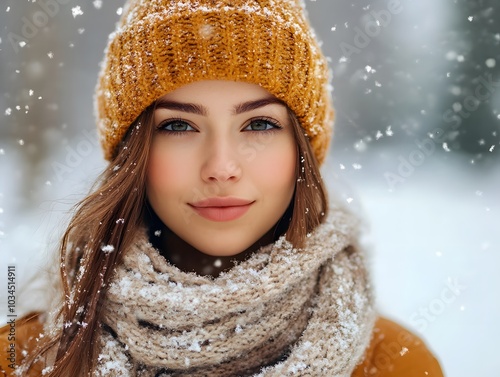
(108, 248)
(76, 11)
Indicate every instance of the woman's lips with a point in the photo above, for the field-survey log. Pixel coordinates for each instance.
(222, 209)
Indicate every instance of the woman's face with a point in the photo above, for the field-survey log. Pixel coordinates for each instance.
(222, 165)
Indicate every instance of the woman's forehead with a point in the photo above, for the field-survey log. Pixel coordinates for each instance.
(203, 97)
(210, 88)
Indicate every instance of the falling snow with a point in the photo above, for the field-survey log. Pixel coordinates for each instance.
(412, 97)
(491, 63)
(76, 11)
(108, 248)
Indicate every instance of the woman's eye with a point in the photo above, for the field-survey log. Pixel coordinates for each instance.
(261, 125)
(175, 126)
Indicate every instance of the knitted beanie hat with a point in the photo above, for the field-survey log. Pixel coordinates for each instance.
(161, 45)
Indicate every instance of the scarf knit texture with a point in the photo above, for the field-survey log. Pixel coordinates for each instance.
(282, 312)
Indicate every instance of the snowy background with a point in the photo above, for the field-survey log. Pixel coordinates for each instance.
(416, 151)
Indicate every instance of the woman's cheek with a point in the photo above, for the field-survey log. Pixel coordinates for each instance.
(168, 170)
(277, 164)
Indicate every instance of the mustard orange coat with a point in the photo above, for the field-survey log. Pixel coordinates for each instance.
(393, 352)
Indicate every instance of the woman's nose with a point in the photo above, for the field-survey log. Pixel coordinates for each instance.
(221, 163)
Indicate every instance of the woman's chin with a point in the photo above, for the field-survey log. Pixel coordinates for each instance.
(223, 251)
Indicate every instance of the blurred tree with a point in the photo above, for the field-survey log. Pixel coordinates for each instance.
(31, 55)
(472, 107)
(386, 64)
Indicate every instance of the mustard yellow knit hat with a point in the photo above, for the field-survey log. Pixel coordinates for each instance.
(161, 45)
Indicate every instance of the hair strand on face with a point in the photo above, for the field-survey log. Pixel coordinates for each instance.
(310, 201)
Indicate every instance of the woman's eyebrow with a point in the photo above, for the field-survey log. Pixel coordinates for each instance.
(194, 108)
(181, 106)
(252, 105)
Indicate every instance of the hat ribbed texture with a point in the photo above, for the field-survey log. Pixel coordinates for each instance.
(161, 45)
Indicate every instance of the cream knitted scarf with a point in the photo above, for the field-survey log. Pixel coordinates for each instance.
(282, 312)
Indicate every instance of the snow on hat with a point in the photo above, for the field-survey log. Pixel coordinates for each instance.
(161, 45)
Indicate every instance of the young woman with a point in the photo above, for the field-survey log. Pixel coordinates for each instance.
(208, 247)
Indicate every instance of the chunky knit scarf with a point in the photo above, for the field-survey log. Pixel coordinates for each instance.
(282, 312)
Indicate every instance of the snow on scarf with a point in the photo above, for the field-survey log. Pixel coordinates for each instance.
(282, 312)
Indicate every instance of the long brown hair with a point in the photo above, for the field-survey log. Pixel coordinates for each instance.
(105, 224)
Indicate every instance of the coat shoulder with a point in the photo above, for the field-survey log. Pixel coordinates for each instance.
(394, 352)
(18, 339)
